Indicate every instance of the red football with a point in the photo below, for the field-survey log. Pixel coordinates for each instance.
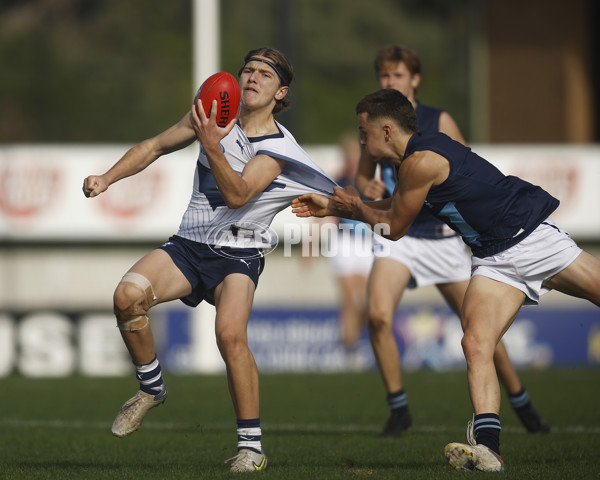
(224, 88)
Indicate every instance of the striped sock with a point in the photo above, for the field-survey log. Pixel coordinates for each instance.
(150, 377)
(249, 434)
(519, 400)
(397, 401)
(487, 430)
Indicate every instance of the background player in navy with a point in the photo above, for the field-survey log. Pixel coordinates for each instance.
(518, 252)
(429, 254)
(245, 174)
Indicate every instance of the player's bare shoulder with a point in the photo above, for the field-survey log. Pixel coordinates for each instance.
(425, 166)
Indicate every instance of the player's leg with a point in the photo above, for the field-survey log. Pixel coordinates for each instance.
(353, 308)
(518, 396)
(488, 310)
(454, 294)
(387, 282)
(154, 279)
(505, 370)
(233, 302)
(351, 265)
(580, 279)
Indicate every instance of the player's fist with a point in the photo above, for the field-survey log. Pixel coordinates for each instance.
(93, 186)
(374, 190)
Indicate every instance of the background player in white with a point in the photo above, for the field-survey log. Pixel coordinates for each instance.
(245, 174)
(519, 253)
(352, 258)
(429, 254)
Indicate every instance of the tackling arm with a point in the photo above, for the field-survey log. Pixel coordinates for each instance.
(345, 203)
(418, 173)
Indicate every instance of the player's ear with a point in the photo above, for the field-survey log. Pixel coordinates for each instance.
(281, 93)
(387, 131)
(415, 81)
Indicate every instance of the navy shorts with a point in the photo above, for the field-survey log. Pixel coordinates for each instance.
(205, 269)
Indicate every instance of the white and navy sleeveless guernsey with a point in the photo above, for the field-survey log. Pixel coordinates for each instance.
(490, 210)
(207, 215)
(424, 225)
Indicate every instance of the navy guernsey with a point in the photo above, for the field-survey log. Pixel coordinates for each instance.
(428, 118)
(424, 225)
(491, 211)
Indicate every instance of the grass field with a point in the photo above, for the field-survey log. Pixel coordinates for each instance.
(314, 427)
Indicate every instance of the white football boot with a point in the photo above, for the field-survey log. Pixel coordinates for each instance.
(248, 460)
(473, 456)
(132, 413)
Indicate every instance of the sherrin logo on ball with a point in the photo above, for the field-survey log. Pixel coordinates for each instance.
(224, 88)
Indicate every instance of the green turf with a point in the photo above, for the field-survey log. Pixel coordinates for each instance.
(314, 427)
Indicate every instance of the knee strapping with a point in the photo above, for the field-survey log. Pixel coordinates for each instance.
(127, 319)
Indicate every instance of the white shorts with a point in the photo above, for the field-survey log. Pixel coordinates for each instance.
(430, 261)
(526, 265)
(352, 255)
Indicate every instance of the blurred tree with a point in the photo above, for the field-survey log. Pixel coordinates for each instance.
(120, 70)
(90, 70)
(333, 45)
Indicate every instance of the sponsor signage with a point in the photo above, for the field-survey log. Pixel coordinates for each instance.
(54, 344)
